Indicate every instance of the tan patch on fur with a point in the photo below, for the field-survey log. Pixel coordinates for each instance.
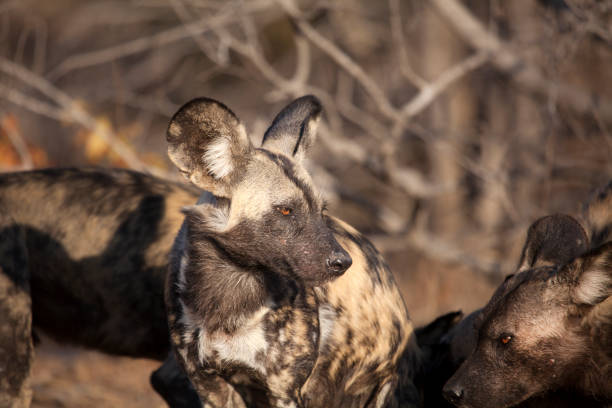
(371, 316)
(600, 315)
(156, 253)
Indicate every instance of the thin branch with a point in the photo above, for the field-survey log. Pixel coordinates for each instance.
(142, 44)
(431, 91)
(397, 32)
(342, 59)
(36, 81)
(31, 104)
(407, 179)
(183, 14)
(69, 110)
(352, 113)
(19, 144)
(303, 61)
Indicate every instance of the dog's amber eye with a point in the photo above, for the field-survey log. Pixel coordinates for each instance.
(505, 339)
(285, 210)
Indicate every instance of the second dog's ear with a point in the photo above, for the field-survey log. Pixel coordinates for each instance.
(553, 240)
(208, 144)
(591, 276)
(294, 129)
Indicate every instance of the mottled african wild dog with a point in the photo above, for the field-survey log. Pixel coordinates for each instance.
(83, 258)
(271, 301)
(547, 328)
(448, 340)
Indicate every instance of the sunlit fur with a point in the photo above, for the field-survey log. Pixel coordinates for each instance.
(252, 297)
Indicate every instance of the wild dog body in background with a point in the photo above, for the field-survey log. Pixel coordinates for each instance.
(83, 258)
(262, 297)
(549, 327)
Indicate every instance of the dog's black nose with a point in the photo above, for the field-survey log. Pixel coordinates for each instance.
(454, 393)
(339, 262)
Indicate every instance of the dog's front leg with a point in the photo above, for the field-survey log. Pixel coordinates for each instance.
(217, 393)
(172, 383)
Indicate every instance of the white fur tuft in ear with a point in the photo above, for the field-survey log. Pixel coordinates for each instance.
(218, 158)
(593, 287)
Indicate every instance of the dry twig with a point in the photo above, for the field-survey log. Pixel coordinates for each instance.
(68, 110)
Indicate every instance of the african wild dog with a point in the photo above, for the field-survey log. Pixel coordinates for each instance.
(83, 258)
(450, 339)
(547, 328)
(268, 296)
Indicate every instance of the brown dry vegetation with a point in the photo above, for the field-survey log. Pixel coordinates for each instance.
(450, 125)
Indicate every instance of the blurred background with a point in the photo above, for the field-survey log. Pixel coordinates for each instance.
(449, 125)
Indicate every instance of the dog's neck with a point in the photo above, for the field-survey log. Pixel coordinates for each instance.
(218, 291)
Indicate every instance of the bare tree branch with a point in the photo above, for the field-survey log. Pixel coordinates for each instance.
(431, 91)
(395, 17)
(342, 59)
(142, 44)
(69, 110)
(19, 144)
(526, 75)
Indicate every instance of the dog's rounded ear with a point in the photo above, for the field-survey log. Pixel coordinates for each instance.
(208, 144)
(553, 240)
(294, 129)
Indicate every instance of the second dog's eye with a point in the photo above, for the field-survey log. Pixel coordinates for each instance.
(285, 210)
(505, 339)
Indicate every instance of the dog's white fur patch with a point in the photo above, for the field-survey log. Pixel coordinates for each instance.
(327, 320)
(593, 286)
(382, 395)
(242, 346)
(182, 282)
(218, 158)
(287, 404)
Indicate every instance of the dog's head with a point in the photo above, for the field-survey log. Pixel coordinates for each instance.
(536, 333)
(267, 213)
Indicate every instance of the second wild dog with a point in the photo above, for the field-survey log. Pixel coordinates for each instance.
(548, 328)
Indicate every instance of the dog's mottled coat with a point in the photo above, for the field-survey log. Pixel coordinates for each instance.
(83, 258)
(271, 301)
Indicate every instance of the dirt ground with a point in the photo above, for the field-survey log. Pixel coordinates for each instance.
(71, 377)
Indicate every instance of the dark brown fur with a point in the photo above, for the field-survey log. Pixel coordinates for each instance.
(447, 342)
(547, 331)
